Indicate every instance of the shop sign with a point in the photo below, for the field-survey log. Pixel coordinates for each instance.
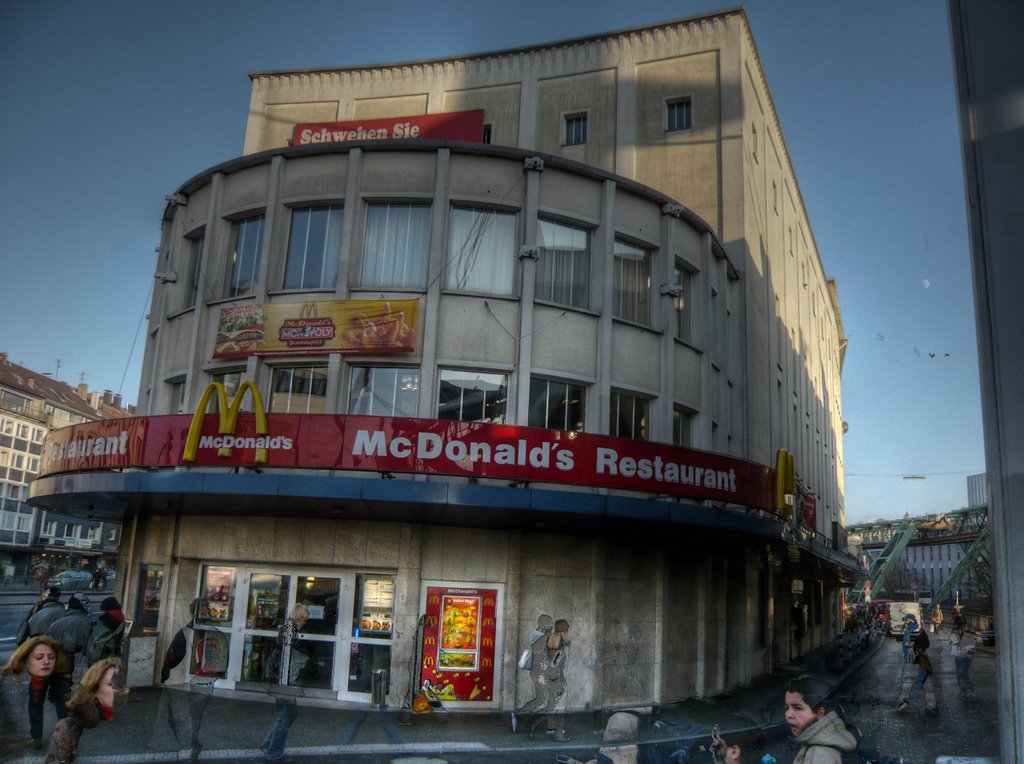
(450, 126)
(807, 505)
(459, 642)
(391, 444)
(330, 326)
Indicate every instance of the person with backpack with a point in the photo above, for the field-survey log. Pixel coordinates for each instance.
(107, 635)
(42, 615)
(73, 630)
(916, 639)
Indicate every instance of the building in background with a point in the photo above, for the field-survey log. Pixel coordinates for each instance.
(538, 331)
(39, 544)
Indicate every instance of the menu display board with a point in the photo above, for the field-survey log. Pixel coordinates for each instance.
(218, 596)
(376, 607)
(459, 635)
(268, 600)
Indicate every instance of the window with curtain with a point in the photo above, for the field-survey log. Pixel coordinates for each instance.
(563, 265)
(383, 391)
(632, 275)
(298, 390)
(481, 251)
(314, 246)
(396, 245)
(680, 305)
(556, 405)
(472, 396)
(629, 416)
(244, 255)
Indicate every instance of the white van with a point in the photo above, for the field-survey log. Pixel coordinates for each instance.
(897, 610)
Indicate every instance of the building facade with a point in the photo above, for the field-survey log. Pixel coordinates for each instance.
(542, 367)
(39, 544)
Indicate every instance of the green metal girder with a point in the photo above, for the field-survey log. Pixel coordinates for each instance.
(978, 548)
(883, 563)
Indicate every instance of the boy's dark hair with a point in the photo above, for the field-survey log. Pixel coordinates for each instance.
(814, 691)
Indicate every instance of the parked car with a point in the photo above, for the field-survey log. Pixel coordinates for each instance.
(72, 580)
(897, 610)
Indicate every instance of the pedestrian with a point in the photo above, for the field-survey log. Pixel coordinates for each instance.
(936, 618)
(822, 734)
(961, 649)
(959, 621)
(72, 631)
(42, 659)
(187, 700)
(917, 638)
(107, 635)
(558, 657)
(285, 692)
(91, 702)
(44, 612)
(538, 665)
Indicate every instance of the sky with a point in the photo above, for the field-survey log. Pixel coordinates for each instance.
(111, 106)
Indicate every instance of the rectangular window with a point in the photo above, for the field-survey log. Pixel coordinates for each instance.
(244, 255)
(471, 396)
(13, 402)
(487, 133)
(679, 113)
(112, 534)
(396, 245)
(49, 528)
(556, 405)
(150, 594)
(33, 464)
(8, 522)
(194, 265)
(5, 458)
(23, 431)
(38, 433)
(680, 304)
(563, 265)
(632, 276)
(299, 390)
(24, 523)
(178, 397)
(230, 380)
(682, 425)
(383, 391)
(628, 416)
(8, 426)
(575, 129)
(481, 251)
(70, 530)
(314, 247)
(18, 461)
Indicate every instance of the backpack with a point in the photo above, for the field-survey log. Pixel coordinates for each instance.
(921, 641)
(102, 643)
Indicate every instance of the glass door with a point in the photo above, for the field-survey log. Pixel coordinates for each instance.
(266, 609)
(311, 663)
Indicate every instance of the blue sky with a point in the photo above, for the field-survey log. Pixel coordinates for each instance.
(110, 106)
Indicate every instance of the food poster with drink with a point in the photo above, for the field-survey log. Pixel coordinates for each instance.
(328, 326)
(460, 628)
(217, 597)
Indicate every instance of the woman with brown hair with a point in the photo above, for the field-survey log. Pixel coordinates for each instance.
(44, 662)
(91, 702)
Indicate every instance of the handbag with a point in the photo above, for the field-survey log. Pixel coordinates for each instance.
(526, 659)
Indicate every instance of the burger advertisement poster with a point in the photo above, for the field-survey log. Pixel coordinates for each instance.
(336, 326)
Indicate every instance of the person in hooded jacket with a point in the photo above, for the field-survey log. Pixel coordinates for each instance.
(106, 636)
(822, 734)
(43, 614)
(72, 631)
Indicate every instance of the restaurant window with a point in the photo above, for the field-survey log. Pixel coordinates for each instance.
(383, 391)
(563, 264)
(244, 255)
(147, 607)
(681, 278)
(472, 396)
(575, 129)
(679, 112)
(298, 390)
(395, 246)
(556, 405)
(192, 270)
(682, 427)
(629, 415)
(632, 289)
(481, 251)
(314, 246)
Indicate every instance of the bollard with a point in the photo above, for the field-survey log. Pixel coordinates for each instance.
(379, 689)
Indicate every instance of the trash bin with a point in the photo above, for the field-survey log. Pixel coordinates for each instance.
(379, 689)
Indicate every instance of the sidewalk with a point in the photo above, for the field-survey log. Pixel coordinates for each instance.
(234, 724)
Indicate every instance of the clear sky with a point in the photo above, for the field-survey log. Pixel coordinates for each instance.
(110, 106)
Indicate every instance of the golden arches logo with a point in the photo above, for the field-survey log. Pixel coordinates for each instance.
(431, 620)
(785, 482)
(428, 661)
(430, 641)
(308, 310)
(433, 599)
(228, 418)
(489, 602)
(488, 621)
(488, 642)
(487, 662)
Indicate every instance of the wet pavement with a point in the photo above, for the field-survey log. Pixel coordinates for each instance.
(233, 723)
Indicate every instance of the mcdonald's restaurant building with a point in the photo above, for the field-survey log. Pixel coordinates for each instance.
(436, 365)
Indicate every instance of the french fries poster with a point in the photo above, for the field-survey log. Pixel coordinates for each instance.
(332, 326)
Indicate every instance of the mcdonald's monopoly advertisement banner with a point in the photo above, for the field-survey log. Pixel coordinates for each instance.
(388, 444)
(449, 126)
(331, 326)
(459, 635)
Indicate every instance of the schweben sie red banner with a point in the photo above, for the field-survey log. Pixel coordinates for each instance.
(431, 446)
(450, 126)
